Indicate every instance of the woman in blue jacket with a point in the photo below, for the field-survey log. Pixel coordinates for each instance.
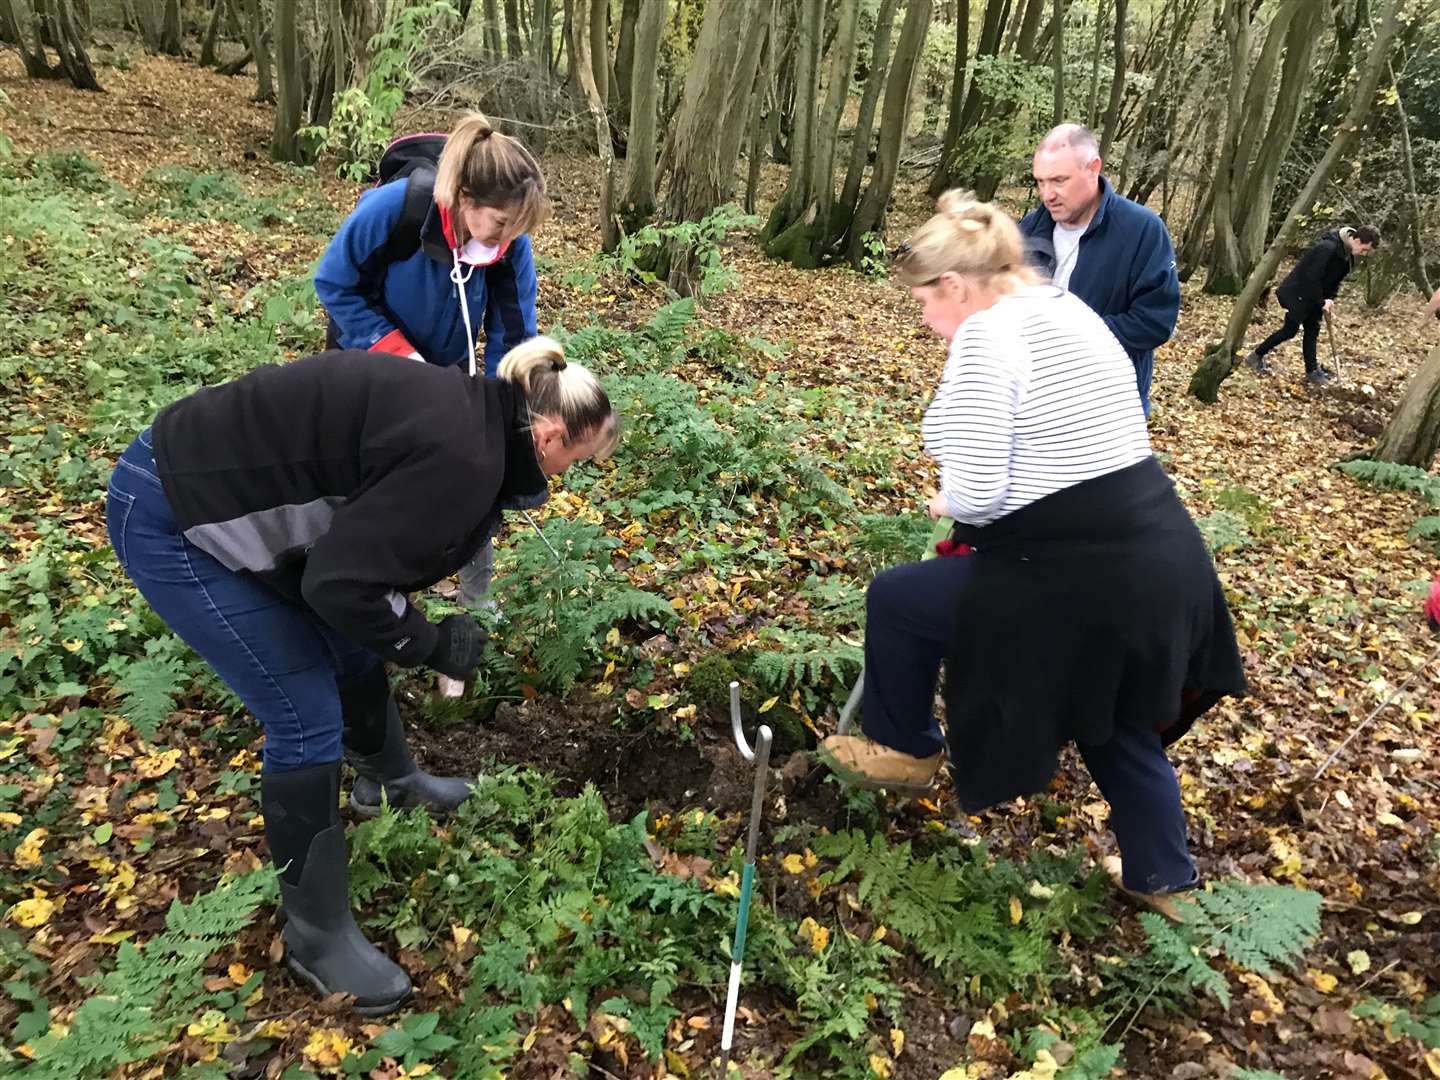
(472, 266)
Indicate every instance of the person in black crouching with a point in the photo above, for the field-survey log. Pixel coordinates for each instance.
(277, 524)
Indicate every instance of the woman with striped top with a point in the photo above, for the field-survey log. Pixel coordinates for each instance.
(1086, 607)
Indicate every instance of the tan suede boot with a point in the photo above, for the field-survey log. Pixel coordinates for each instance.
(865, 764)
(1163, 904)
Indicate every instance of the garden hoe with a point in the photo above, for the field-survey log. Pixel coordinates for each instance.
(760, 755)
(1334, 354)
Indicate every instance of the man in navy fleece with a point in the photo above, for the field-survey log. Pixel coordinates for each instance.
(1112, 253)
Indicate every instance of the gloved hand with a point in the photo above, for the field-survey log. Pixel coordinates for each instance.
(459, 647)
(1432, 604)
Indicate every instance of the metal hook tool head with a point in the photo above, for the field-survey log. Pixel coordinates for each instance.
(738, 731)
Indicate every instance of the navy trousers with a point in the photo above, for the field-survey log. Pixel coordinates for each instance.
(910, 613)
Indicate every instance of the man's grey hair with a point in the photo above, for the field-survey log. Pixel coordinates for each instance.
(1075, 137)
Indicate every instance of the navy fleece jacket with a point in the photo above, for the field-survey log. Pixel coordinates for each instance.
(1125, 272)
(416, 306)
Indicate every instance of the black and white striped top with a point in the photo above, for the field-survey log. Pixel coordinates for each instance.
(1037, 396)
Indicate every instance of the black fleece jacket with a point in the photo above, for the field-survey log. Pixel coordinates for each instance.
(348, 479)
(1316, 277)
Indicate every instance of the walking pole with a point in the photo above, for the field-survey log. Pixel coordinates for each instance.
(761, 757)
(1334, 355)
(942, 529)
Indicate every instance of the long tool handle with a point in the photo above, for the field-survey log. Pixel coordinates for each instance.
(747, 885)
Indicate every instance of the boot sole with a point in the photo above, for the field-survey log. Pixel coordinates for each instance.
(310, 979)
(372, 810)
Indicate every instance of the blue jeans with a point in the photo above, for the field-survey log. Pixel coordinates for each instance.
(283, 662)
(911, 611)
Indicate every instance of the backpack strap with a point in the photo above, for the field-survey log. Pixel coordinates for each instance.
(404, 238)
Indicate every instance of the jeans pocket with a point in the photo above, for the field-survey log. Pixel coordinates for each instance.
(118, 505)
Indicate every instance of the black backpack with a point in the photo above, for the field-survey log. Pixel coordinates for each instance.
(416, 156)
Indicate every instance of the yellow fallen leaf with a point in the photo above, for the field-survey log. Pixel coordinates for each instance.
(1390, 819)
(1322, 980)
(1359, 961)
(728, 886)
(1017, 912)
(818, 936)
(1045, 1068)
(153, 766)
(327, 1047)
(238, 974)
(897, 1041)
(1432, 1060)
(461, 935)
(1409, 918)
(793, 864)
(9, 820)
(880, 1066)
(878, 934)
(27, 854)
(33, 912)
(768, 704)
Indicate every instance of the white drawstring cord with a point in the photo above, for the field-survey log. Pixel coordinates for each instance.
(460, 279)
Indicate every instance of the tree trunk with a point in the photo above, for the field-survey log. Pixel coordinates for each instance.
(1092, 100)
(1117, 83)
(514, 43)
(74, 61)
(1407, 159)
(945, 167)
(700, 175)
(625, 53)
(1412, 434)
(804, 238)
(1225, 275)
(1164, 73)
(542, 45)
(1253, 224)
(1058, 19)
(637, 203)
(290, 80)
(763, 88)
(791, 205)
(874, 84)
(586, 68)
(172, 30)
(259, 32)
(894, 118)
(1220, 358)
(19, 30)
(599, 30)
(490, 31)
(208, 56)
(148, 19)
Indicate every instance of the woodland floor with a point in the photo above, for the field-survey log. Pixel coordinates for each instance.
(1325, 596)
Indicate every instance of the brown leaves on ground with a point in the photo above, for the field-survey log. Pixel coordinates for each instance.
(1325, 598)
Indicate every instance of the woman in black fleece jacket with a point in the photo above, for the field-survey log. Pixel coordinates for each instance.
(277, 522)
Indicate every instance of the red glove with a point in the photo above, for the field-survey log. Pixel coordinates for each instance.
(1432, 605)
(945, 548)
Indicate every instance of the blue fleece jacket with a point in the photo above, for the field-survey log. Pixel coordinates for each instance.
(416, 303)
(1125, 272)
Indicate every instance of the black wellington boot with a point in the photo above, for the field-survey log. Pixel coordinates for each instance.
(375, 748)
(323, 946)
